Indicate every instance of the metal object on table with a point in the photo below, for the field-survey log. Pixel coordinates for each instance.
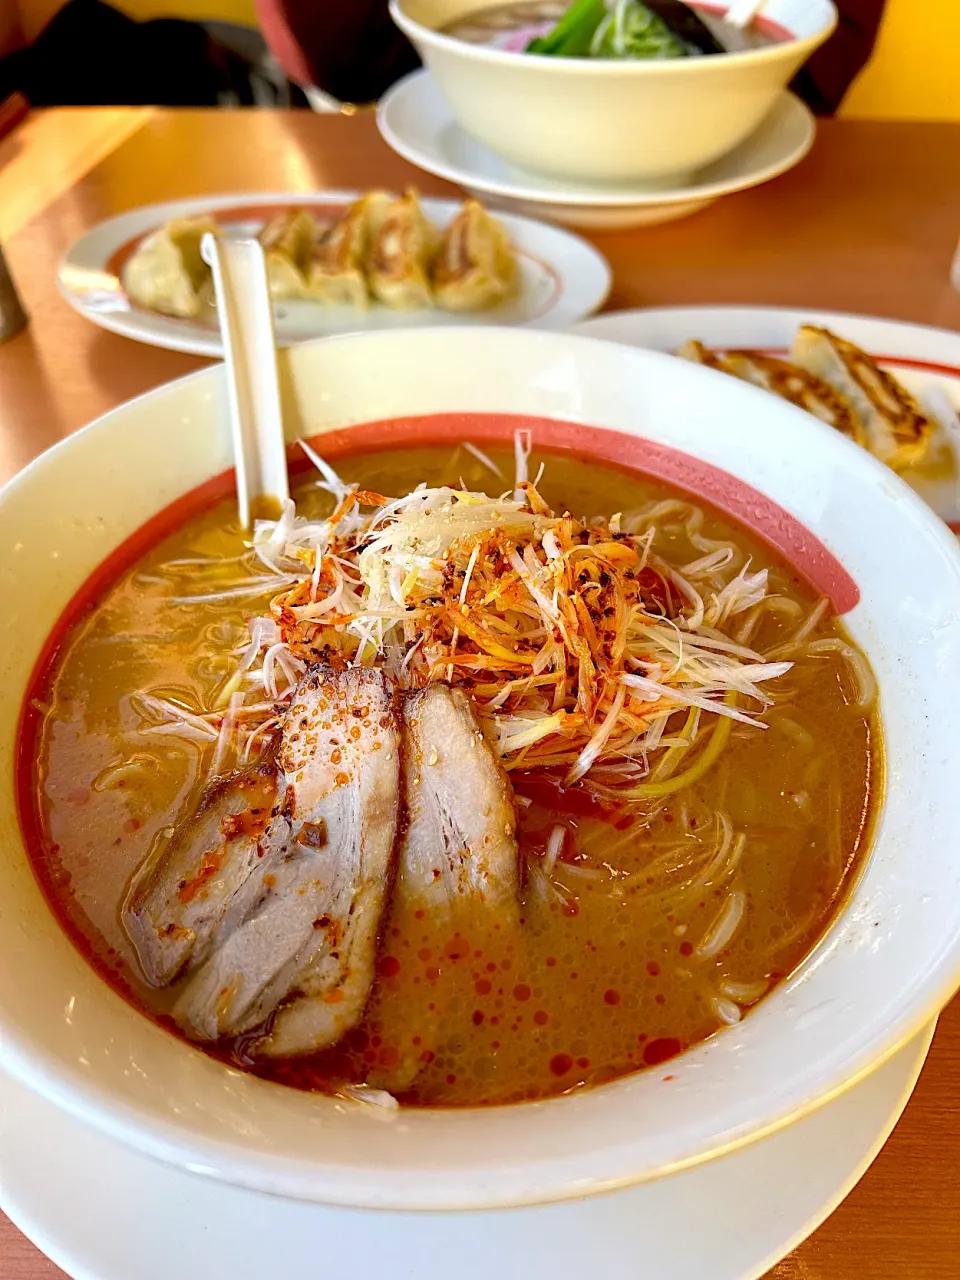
(13, 318)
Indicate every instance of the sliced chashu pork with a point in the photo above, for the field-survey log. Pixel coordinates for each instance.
(183, 902)
(458, 859)
(461, 844)
(306, 944)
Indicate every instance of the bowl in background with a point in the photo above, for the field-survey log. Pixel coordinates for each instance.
(605, 121)
(887, 964)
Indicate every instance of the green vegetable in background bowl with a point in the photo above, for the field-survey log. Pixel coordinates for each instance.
(574, 32)
(627, 29)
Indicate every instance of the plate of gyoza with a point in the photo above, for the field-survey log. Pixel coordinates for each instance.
(337, 262)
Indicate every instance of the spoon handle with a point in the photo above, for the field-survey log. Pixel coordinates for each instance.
(246, 323)
(741, 13)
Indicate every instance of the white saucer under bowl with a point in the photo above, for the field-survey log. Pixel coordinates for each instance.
(102, 1211)
(416, 122)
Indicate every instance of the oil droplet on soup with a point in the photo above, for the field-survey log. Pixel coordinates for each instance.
(651, 931)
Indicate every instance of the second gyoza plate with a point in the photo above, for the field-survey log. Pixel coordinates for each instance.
(562, 278)
(924, 359)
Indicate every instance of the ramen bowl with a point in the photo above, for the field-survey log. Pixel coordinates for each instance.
(602, 121)
(888, 962)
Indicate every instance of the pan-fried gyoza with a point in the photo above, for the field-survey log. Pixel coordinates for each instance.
(378, 249)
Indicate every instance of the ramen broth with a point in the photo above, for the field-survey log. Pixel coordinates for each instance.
(644, 933)
(513, 25)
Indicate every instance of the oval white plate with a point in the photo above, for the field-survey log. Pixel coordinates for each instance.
(102, 1211)
(921, 357)
(416, 122)
(563, 278)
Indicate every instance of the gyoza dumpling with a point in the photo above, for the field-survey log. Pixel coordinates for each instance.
(287, 239)
(895, 428)
(781, 378)
(798, 385)
(166, 272)
(402, 253)
(476, 267)
(336, 269)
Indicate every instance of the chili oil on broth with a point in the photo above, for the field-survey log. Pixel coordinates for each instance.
(621, 960)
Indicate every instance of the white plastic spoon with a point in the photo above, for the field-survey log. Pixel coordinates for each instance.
(741, 13)
(249, 345)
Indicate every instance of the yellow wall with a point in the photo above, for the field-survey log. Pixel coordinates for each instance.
(35, 14)
(915, 69)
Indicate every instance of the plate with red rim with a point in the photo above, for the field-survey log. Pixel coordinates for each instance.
(563, 279)
(920, 356)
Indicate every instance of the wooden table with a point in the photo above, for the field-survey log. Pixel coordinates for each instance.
(868, 222)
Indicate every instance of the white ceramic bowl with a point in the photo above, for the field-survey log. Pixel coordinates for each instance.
(604, 121)
(888, 963)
